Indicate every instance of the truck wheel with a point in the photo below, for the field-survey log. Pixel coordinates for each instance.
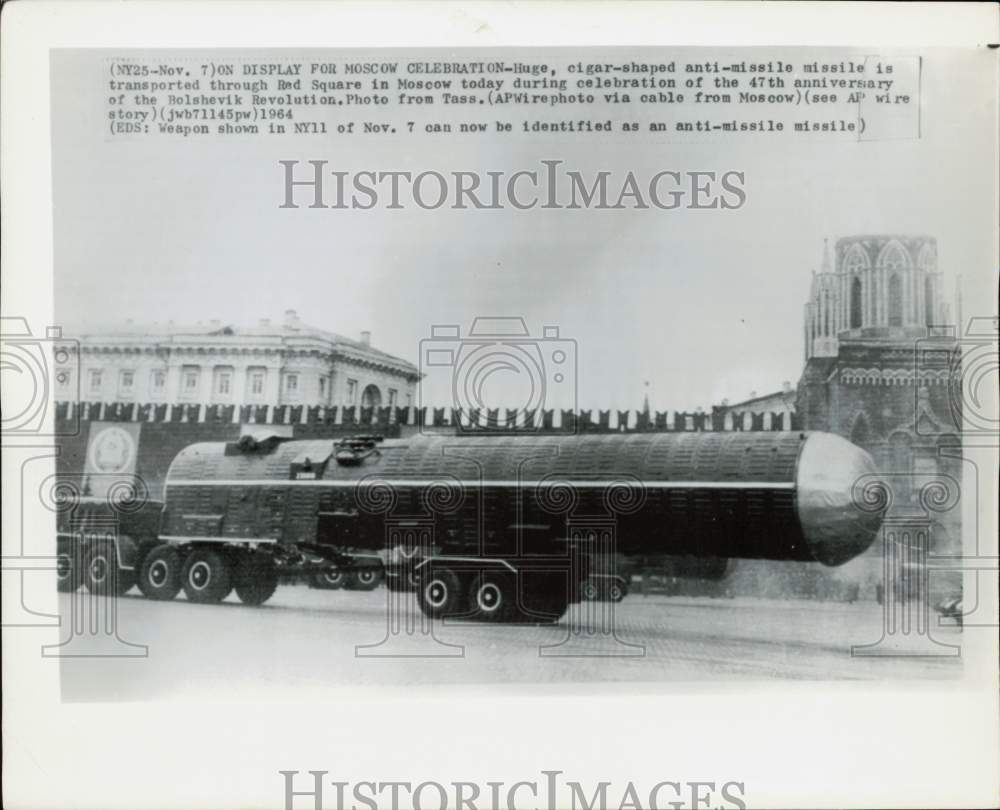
(329, 579)
(364, 579)
(101, 572)
(589, 590)
(68, 574)
(440, 593)
(256, 579)
(160, 574)
(491, 597)
(206, 577)
(617, 590)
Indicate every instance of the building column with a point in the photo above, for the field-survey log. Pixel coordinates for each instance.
(921, 298)
(272, 385)
(910, 298)
(239, 389)
(172, 389)
(866, 298)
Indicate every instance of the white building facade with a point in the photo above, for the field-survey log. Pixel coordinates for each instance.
(286, 364)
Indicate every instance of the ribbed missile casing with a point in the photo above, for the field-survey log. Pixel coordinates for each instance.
(756, 495)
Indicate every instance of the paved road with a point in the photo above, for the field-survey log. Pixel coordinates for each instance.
(313, 638)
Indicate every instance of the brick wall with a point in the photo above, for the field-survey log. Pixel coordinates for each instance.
(164, 430)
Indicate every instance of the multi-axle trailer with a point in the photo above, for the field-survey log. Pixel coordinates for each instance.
(492, 527)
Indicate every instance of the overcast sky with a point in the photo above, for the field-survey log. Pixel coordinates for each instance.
(703, 305)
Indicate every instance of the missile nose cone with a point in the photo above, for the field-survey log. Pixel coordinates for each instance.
(836, 526)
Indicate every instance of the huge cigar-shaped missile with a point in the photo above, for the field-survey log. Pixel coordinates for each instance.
(763, 495)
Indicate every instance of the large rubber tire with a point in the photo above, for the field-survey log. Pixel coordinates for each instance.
(329, 579)
(589, 590)
(206, 577)
(364, 579)
(160, 573)
(256, 579)
(69, 574)
(617, 589)
(441, 593)
(101, 573)
(492, 597)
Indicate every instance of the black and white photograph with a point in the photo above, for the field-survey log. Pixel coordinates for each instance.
(650, 383)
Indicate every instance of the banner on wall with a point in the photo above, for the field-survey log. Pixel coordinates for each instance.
(112, 448)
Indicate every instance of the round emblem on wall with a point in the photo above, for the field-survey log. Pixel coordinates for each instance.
(112, 450)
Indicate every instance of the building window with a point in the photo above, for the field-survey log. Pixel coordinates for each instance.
(322, 390)
(393, 396)
(94, 381)
(895, 300)
(409, 400)
(222, 385)
(372, 397)
(256, 380)
(352, 392)
(157, 382)
(856, 304)
(292, 386)
(190, 378)
(126, 383)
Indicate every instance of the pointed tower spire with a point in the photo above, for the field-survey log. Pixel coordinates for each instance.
(645, 399)
(827, 264)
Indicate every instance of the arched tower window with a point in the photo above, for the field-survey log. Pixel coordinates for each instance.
(855, 265)
(927, 259)
(856, 260)
(895, 302)
(895, 263)
(894, 257)
(856, 303)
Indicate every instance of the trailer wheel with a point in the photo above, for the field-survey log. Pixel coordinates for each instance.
(440, 593)
(589, 590)
(256, 579)
(101, 573)
(491, 597)
(617, 590)
(160, 574)
(364, 579)
(68, 574)
(206, 577)
(329, 579)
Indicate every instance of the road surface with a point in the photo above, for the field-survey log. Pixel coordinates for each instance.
(314, 638)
